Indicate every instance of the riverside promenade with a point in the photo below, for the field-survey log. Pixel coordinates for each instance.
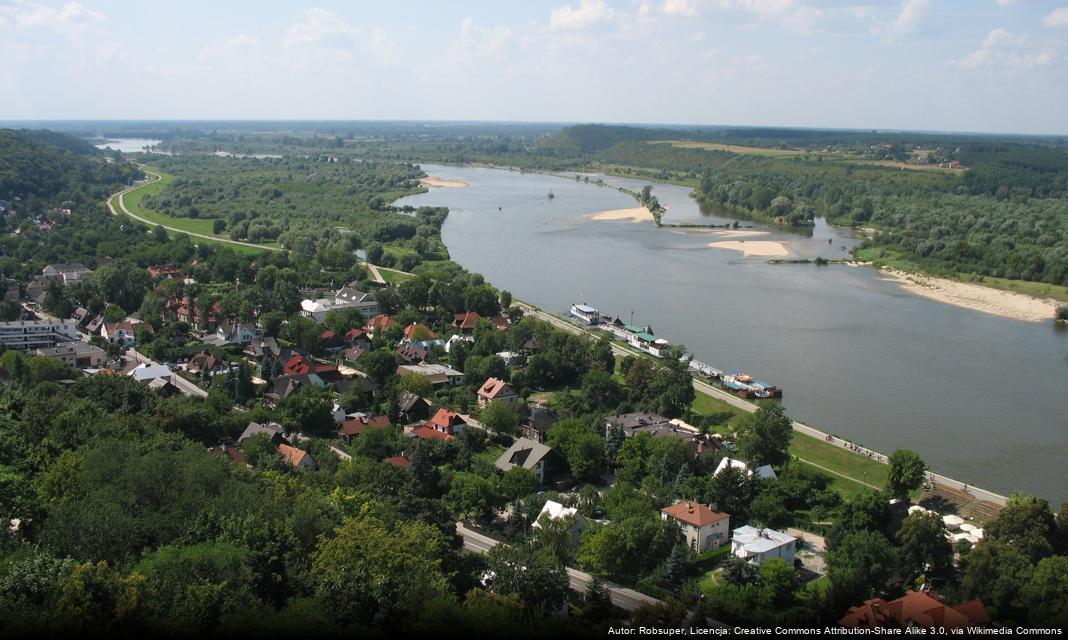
(750, 407)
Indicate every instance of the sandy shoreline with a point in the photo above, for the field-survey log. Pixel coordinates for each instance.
(723, 233)
(762, 248)
(1006, 304)
(434, 181)
(635, 214)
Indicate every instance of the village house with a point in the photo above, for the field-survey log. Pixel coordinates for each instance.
(764, 472)
(439, 375)
(527, 454)
(230, 452)
(230, 332)
(272, 429)
(165, 272)
(67, 273)
(494, 390)
(379, 324)
(413, 408)
(345, 298)
(121, 333)
(355, 425)
(258, 348)
(157, 377)
(536, 425)
(761, 545)
(447, 422)
(554, 511)
(703, 528)
(915, 609)
(465, 322)
(400, 461)
(356, 337)
(79, 355)
(299, 458)
(658, 426)
(204, 363)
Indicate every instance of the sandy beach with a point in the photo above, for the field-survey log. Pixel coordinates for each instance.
(1007, 304)
(434, 181)
(761, 248)
(722, 233)
(636, 214)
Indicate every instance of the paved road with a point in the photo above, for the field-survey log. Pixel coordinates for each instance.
(745, 405)
(622, 597)
(156, 177)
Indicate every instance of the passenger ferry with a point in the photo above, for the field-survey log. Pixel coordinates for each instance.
(585, 313)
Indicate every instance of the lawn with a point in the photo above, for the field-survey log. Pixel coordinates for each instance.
(706, 405)
(732, 148)
(393, 277)
(839, 461)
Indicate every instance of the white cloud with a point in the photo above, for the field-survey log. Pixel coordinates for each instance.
(1057, 18)
(227, 46)
(381, 48)
(1002, 48)
(912, 13)
(480, 42)
(679, 8)
(320, 27)
(586, 15)
(71, 18)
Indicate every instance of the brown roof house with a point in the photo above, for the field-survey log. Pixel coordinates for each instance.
(296, 457)
(495, 390)
(703, 528)
(915, 609)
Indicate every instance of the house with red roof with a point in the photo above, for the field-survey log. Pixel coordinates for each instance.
(447, 422)
(496, 390)
(400, 461)
(703, 528)
(915, 609)
(304, 365)
(166, 272)
(119, 332)
(426, 432)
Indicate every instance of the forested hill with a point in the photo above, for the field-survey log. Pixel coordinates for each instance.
(44, 167)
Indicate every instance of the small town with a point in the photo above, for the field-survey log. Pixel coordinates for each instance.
(546, 319)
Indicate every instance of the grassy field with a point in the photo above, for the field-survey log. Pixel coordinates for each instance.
(133, 201)
(732, 148)
(839, 461)
(393, 277)
(706, 405)
(909, 166)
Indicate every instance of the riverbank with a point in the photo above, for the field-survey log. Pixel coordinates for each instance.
(977, 297)
(434, 181)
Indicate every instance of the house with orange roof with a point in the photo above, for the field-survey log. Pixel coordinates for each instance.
(426, 432)
(119, 333)
(296, 457)
(703, 528)
(915, 609)
(448, 422)
(379, 324)
(496, 390)
(400, 461)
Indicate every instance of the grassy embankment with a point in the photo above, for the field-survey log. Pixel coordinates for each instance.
(134, 202)
(849, 473)
(885, 257)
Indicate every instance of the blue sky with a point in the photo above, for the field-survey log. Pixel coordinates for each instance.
(958, 65)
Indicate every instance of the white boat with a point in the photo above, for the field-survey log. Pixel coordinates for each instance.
(586, 313)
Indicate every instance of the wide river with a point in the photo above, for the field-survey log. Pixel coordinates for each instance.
(982, 398)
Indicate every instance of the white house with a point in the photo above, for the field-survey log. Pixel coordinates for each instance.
(236, 333)
(703, 528)
(121, 333)
(764, 473)
(555, 511)
(760, 545)
(345, 298)
(495, 390)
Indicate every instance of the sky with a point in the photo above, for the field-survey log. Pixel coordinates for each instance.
(945, 65)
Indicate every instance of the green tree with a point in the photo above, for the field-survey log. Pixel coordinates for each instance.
(581, 446)
(1026, 523)
(764, 437)
(859, 566)
(522, 570)
(1045, 595)
(380, 365)
(906, 474)
(500, 417)
(996, 573)
(924, 548)
(379, 571)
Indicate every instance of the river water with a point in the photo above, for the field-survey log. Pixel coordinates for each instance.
(983, 399)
